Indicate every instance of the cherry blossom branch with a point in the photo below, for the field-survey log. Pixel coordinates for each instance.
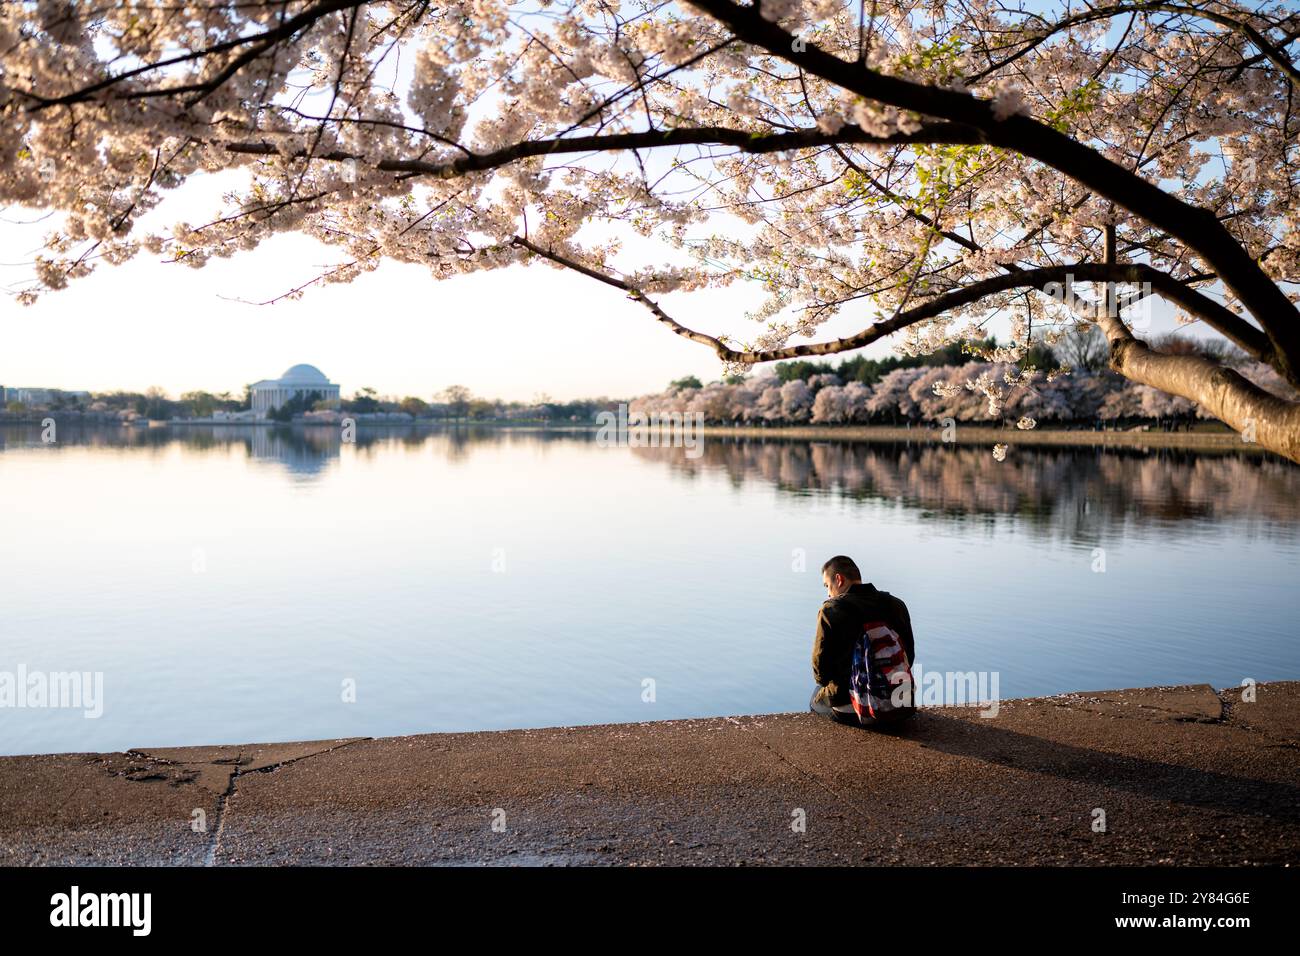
(259, 44)
(1198, 229)
(1041, 279)
(757, 143)
(1259, 416)
(633, 293)
(1269, 51)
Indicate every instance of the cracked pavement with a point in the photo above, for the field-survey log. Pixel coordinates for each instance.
(1183, 775)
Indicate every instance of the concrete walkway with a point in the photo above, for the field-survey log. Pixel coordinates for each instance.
(1183, 776)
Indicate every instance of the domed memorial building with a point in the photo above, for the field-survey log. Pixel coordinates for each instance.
(302, 381)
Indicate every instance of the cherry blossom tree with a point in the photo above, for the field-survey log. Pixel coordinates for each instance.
(1161, 405)
(796, 401)
(1122, 403)
(919, 166)
(769, 404)
(744, 397)
(891, 395)
(830, 407)
(712, 401)
(974, 392)
(854, 402)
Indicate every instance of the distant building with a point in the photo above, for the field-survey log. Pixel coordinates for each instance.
(234, 417)
(28, 396)
(301, 380)
(40, 396)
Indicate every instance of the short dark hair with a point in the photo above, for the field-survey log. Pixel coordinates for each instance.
(842, 565)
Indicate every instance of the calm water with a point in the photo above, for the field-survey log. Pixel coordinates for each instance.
(228, 583)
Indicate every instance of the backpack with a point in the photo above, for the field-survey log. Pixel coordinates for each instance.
(878, 675)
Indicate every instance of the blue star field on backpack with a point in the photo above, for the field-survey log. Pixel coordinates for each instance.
(880, 680)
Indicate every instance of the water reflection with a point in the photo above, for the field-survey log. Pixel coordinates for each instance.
(226, 580)
(1077, 494)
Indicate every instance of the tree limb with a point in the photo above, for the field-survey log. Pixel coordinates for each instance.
(1198, 229)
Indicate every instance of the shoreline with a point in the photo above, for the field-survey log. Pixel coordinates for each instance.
(1215, 441)
(981, 435)
(1172, 775)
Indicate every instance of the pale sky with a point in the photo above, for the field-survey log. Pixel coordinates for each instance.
(511, 334)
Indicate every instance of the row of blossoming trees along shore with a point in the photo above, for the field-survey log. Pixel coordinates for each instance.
(972, 392)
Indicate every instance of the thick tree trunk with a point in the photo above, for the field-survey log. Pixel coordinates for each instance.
(1239, 403)
(1258, 416)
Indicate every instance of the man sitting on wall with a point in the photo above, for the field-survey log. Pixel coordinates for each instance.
(841, 622)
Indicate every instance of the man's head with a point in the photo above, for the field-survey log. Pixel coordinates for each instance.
(839, 574)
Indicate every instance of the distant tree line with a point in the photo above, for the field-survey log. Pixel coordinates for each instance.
(456, 403)
(1066, 382)
(152, 403)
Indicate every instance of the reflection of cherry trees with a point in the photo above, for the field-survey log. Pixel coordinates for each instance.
(1076, 494)
(974, 392)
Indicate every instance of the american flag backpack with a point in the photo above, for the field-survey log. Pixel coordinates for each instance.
(880, 681)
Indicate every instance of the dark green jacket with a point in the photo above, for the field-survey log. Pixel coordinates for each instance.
(839, 625)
